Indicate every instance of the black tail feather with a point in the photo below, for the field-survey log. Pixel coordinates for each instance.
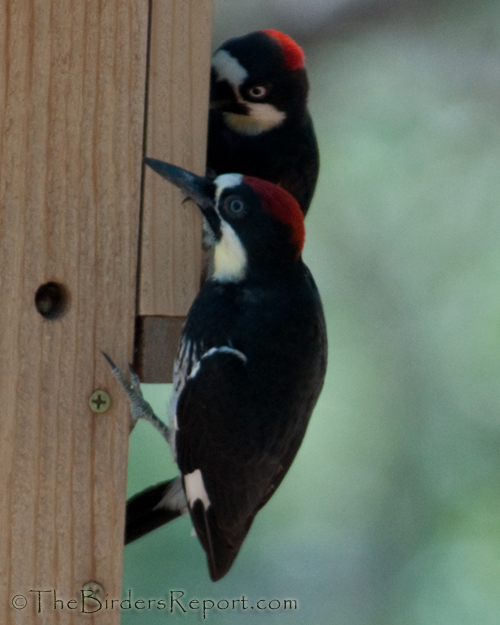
(149, 510)
(221, 546)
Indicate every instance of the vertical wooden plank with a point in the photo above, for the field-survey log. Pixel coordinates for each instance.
(178, 94)
(72, 77)
(156, 343)
(179, 78)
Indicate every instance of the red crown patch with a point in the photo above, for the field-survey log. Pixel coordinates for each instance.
(283, 206)
(293, 53)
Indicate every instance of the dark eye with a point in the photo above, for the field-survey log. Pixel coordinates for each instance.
(258, 92)
(235, 207)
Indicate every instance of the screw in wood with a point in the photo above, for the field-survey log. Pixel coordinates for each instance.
(90, 601)
(99, 401)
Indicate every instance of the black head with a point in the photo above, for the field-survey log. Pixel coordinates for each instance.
(259, 82)
(258, 226)
(262, 228)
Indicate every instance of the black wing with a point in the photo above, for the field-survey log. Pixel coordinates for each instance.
(227, 455)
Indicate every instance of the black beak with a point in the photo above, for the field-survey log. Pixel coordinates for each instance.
(228, 106)
(222, 98)
(200, 190)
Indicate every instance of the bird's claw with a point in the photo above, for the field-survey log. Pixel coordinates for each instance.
(135, 382)
(139, 407)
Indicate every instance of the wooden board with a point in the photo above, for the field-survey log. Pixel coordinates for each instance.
(157, 342)
(178, 94)
(72, 93)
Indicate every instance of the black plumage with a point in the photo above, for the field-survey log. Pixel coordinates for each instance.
(241, 423)
(287, 153)
(250, 368)
(145, 515)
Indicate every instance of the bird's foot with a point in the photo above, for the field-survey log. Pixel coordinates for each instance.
(139, 407)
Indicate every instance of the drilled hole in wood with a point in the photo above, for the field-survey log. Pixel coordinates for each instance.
(51, 300)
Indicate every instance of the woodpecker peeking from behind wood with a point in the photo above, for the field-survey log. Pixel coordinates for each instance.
(250, 367)
(259, 123)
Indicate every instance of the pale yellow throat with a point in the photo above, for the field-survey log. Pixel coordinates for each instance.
(230, 259)
(261, 118)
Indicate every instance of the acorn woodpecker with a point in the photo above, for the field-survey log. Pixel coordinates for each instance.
(259, 124)
(250, 367)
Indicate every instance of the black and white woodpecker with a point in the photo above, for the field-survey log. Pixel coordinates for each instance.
(249, 371)
(259, 123)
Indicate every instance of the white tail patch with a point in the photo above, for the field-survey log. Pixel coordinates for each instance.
(230, 257)
(228, 68)
(195, 489)
(174, 498)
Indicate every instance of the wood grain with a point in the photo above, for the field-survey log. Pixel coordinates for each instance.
(72, 92)
(179, 77)
(171, 259)
(157, 343)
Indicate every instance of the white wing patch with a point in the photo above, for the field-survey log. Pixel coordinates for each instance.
(186, 367)
(230, 257)
(228, 68)
(195, 489)
(187, 360)
(224, 350)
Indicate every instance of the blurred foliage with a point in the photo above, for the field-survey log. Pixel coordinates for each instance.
(391, 511)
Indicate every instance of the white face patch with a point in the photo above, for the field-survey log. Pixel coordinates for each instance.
(228, 68)
(195, 489)
(230, 258)
(226, 181)
(261, 118)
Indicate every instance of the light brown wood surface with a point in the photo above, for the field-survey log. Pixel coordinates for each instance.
(178, 93)
(72, 98)
(156, 346)
(176, 133)
(72, 76)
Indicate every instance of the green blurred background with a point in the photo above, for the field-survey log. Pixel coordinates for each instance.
(390, 514)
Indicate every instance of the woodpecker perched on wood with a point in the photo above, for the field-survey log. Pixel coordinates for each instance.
(249, 371)
(259, 123)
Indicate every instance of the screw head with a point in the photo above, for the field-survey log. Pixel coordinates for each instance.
(99, 401)
(97, 591)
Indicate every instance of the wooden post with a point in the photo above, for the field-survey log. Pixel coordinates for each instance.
(72, 94)
(176, 132)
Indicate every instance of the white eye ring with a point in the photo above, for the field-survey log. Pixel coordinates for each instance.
(257, 92)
